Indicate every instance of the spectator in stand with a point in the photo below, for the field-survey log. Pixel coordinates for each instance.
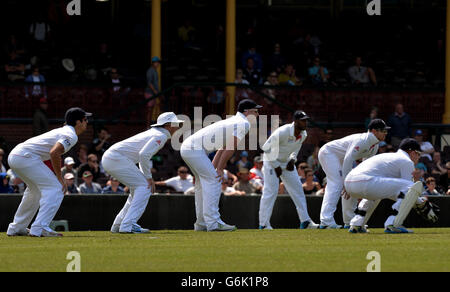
(444, 179)
(256, 174)
(241, 93)
(425, 146)
(313, 160)
(180, 183)
(186, 33)
(35, 79)
(272, 80)
(255, 56)
(15, 182)
(69, 178)
(419, 172)
(101, 144)
(301, 171)
(13, 44)
(40, 118)
(40, 30)
(373, 115)
(288, 76)
(89, 187)
(2, 166)
(244, 162)
(310, 186)
(115, 80)
(82, 156)
(15, 68)
(436, 166)
(400, 123)
(5, 188)
(431, 187)
(361, 75)
(92, 166)
(230, 191)
(251, 74)
(113, 187)
(319, 74)
(277, 61)
(244, 183)
(69, 167)
(152, 89)
(382, 147)
(321, 192)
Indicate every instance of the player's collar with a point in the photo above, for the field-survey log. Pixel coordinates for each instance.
(372, 137)
(292, 131)
(239, 114)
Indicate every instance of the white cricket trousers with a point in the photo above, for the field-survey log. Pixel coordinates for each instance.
(294, 187)
(43, 192)
(125, 170)
(372, 191)
(332, 166)
(207, 188)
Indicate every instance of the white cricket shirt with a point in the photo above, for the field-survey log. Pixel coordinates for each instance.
(216, 136)
(283, 146)
(180, 185)
(391, 165)
(42, 144)
(352, 148)
(140, 148)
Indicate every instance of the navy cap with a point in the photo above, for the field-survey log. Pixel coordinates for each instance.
(378, 124)
(247, 104)
(301, 115)
(156, 59)
(75, 114)
(410, 144)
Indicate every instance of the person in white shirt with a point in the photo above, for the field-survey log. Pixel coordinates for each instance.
(45, 189)
(180, 183)
(223, 137)
(337, 159)
(425, 146)
(256, 174)
(386, 176)
(280, 154)
(120, 162)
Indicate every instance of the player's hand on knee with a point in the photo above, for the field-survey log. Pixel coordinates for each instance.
(290, 166)
(220, 175)
(345, 195)
(278, 171)
(151, 185)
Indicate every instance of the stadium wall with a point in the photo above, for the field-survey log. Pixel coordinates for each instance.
(97, 212)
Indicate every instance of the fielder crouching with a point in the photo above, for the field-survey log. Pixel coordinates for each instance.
(280, 154)
(120, 161)
(386, 176)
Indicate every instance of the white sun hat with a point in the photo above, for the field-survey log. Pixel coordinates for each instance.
(165, 118)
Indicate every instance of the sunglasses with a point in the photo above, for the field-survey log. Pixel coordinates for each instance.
(182, 172)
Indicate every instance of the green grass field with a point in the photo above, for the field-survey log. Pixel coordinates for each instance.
(240, 251)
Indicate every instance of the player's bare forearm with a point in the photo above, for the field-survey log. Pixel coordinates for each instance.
(216, 158)
(55, 157)
(224, 157)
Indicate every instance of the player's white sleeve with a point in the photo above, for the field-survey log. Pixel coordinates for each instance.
(272, 148)
(406, 170)
(350, 156)
(147, 152)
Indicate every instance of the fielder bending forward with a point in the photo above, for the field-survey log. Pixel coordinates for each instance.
(337, 158)
(223, 136)
(386, 176)
(120, 161)
(280, 154)
(45, 189)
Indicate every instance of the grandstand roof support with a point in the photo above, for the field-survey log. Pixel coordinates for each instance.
(156, 33)
(446, 117)
(230, 55)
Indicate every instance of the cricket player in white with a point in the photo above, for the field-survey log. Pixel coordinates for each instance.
(120, 161)
(223, 136)
(386, 176)
(45, 189)
(280, 154)
(337, 158)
